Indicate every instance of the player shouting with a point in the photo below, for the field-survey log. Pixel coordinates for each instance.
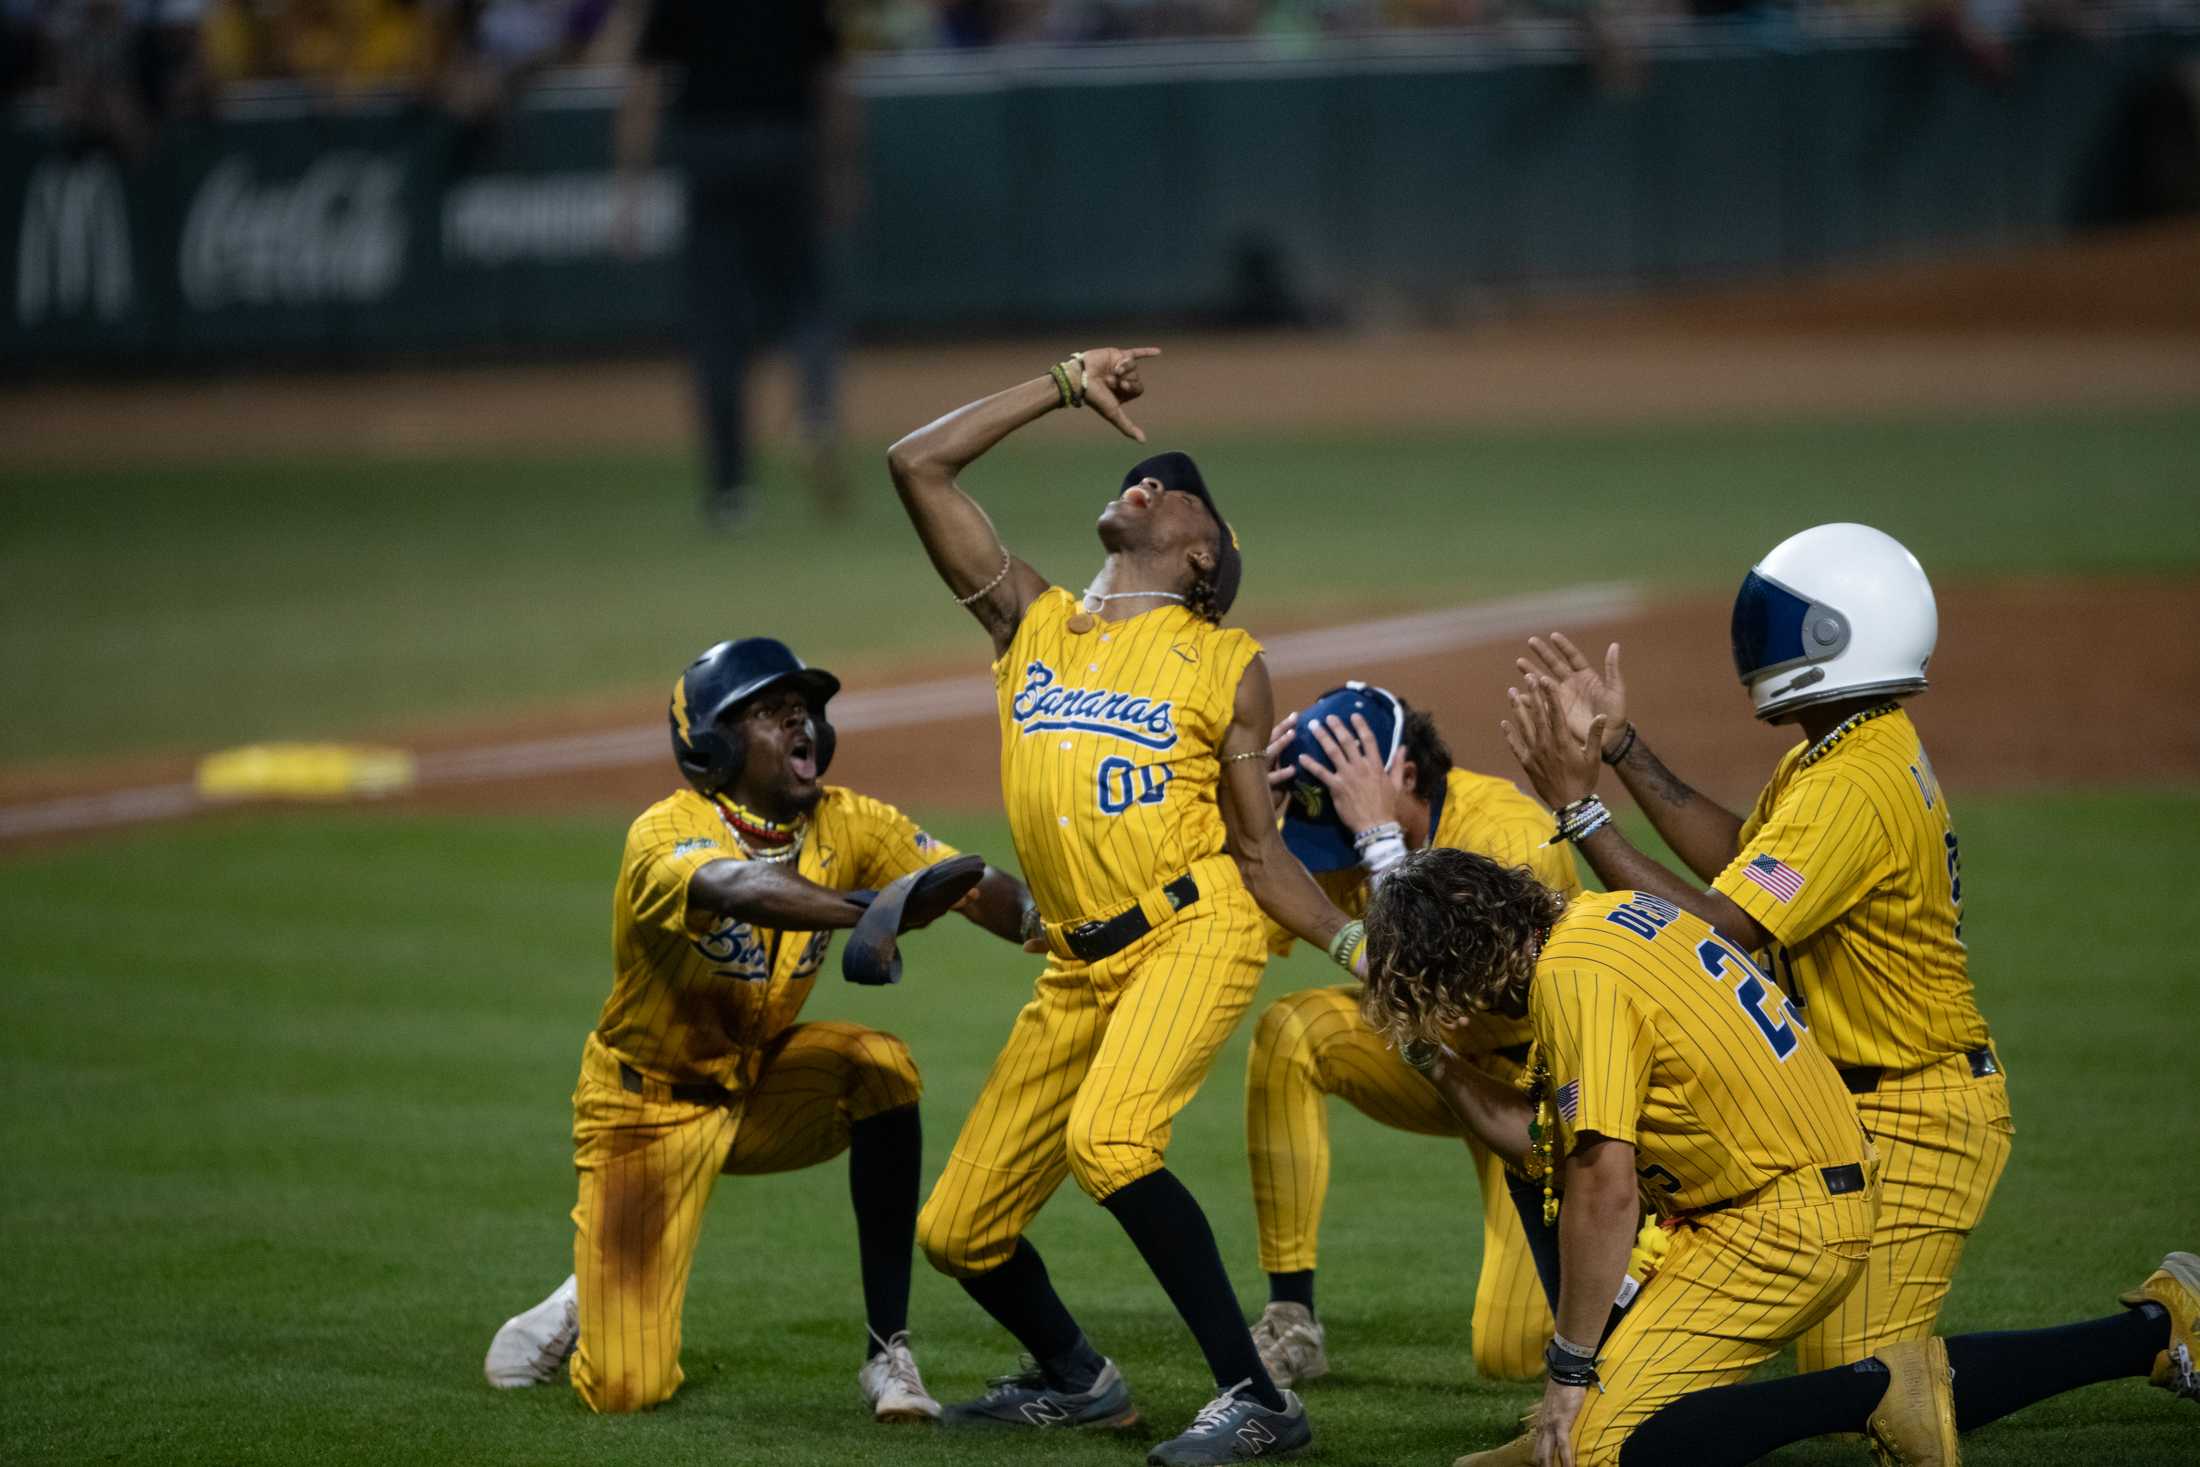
(1846, 871)
(728, 897)
(1133, 737)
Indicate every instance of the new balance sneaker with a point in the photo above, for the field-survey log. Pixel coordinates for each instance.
(532, 1347)
(1289, 1339)
(1234, 1427)
(2176, 1287)
(890, 1382)
(1025, 1399)
(1915, 1425)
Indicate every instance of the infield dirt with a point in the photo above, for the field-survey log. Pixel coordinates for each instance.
(2047, 682)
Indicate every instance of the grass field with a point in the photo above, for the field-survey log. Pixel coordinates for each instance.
(197, 607)
(285, 1131)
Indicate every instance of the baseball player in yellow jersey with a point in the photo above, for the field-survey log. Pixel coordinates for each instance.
(1367, 779)
(1846, 872)
(1133, 730)
(1668, 1066)
(727, 899)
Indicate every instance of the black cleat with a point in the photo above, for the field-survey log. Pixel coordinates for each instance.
(1027, 1400)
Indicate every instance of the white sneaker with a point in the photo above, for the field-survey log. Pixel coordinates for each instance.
(1289, 1339)
(531, 1348)
(891, 1384)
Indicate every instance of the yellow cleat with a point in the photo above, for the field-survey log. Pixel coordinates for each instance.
(1915, 1425)
(2176, 1287)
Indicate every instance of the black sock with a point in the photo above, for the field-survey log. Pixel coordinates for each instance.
(1172, 1236)
(1292, 1288)
(2006, 1371)
(1021, 1299)
(885, 1160)
(1527, 1200)
(1727, 1426)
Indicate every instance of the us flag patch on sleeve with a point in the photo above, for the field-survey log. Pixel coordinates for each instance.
(1775, 876)
(1569, 1100)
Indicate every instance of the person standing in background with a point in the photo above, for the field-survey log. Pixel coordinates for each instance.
(765, 132)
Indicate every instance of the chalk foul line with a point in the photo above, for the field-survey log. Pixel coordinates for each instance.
(1342, 649)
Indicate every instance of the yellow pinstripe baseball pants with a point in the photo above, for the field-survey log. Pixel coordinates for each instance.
(647, 1164)
(1096, 1067)
(1735, 1286)
(1314, 1044)
(1943, 1139)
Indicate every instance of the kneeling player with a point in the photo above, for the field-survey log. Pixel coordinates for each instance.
(1371, 779)
(727, 899)
(1664, 1060)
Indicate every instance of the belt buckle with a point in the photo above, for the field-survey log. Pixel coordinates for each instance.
(1984, 1062)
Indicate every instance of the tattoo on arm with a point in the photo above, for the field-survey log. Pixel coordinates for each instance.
(1661, 781)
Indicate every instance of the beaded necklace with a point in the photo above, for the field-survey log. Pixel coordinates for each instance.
(773, 840)
(1847, 726)
(1535, 1080)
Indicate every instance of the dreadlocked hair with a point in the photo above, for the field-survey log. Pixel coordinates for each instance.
(1426, 748)
(1451, 934)
(1199, 598)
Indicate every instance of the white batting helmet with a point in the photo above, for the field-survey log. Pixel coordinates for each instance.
(1837, 611)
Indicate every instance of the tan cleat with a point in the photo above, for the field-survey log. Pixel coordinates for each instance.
(2176, 1287)
(1915, 1425)
(1519, 1452)
(1289, 1339)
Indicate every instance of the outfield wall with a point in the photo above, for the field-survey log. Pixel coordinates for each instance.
(1036, 187)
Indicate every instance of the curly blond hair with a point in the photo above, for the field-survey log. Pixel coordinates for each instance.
(1451, 934)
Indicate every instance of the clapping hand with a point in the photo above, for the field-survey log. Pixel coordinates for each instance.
(1562, 765)
(1581, 690)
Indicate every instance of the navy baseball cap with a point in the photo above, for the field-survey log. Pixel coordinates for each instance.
(1177, 471)
(1311, 827)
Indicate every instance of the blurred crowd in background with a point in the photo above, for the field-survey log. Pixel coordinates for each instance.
(117, 68)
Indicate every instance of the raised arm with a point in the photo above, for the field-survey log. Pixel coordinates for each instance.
(1701, 831)
(957, 534)
(1272, 874)
(1563, 767)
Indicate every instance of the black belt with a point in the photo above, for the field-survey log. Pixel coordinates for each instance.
(1864, 1079)
(1839, 1180)
(1092, 941)
(1517, 1053)
(702, 1092)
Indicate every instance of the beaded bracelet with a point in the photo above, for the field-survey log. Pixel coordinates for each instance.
(1344, 948)
(1580, 820)
(1388, 830)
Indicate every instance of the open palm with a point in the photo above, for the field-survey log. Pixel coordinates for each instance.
(1582, 692)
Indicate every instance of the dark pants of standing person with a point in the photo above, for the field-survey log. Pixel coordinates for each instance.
(756, 270)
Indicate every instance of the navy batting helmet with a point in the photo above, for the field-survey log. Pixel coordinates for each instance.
(722, 679)
(1312, 828)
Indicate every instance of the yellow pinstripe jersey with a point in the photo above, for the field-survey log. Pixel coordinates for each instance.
(1491, 817)
(1851, 864)
(696, 997)
(1109, 738)
(1659, 1033)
